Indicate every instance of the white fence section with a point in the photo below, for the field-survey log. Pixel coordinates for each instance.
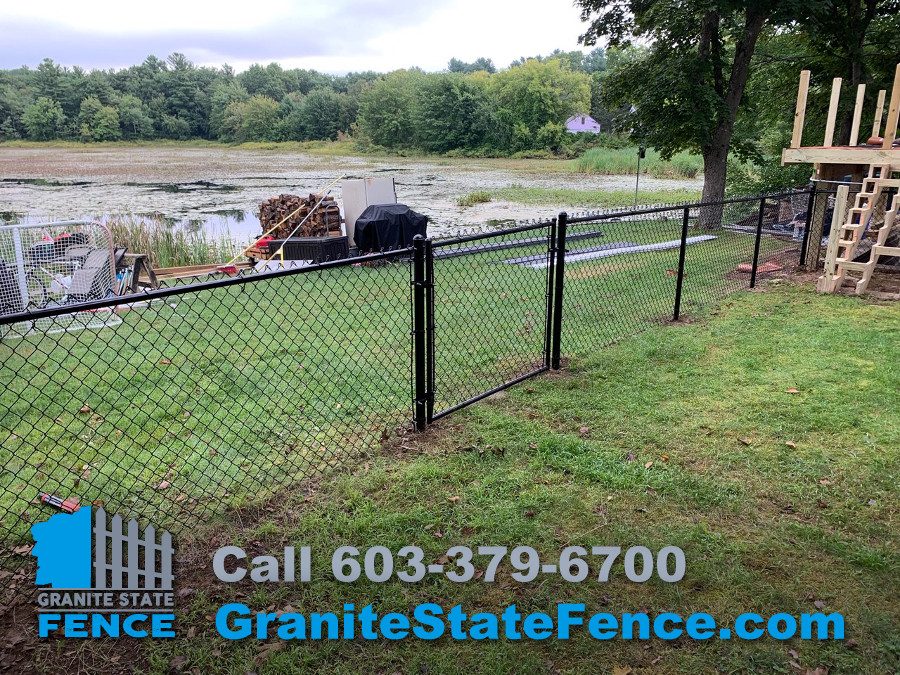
(45, 264)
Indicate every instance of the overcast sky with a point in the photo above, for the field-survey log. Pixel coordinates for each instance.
(334, 36)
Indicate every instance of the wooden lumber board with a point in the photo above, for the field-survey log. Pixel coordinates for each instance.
(800, 112)
(826, 281)
(857, 154)
(890, 127)
(857, 114)
(879, 111)
(832, 112)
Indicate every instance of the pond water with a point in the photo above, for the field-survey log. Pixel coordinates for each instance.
(219, 189)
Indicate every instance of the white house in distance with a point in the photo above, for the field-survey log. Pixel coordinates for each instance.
(582, 124)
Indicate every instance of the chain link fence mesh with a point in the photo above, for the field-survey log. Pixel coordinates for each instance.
(173, 404)
(204, 397)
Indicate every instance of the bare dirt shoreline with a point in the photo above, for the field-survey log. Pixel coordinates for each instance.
(206, 183)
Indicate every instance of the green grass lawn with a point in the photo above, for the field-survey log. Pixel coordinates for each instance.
(583, 199)
(763, 441)
(225, 396)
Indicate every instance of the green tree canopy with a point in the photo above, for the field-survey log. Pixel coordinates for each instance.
(387, 109)
(451, 112)
(44, 119)
(540, 92)
(255, 119)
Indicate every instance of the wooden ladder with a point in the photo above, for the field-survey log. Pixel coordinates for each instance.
(839, 259)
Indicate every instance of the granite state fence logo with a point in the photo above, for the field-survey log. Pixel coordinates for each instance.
(99, 578)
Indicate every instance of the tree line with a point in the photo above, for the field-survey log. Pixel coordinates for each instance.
(470, 107)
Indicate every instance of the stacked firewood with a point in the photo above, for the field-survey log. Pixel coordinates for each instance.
(292, 209)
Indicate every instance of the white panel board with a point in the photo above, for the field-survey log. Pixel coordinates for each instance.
(358, 193)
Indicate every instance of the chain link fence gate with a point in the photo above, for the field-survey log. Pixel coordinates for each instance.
(204, 396)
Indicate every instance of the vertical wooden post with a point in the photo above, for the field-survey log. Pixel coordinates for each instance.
(832, 112)
(857, 114)
(800, 112)
(825, 283)
(879, 111)
(890, 127)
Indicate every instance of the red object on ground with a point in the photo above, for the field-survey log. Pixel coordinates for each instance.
(69, 505)
(765, 268)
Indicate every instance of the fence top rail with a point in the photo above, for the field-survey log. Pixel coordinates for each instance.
(53, 223)
(438, 243)
(619, 213)
(171, 291)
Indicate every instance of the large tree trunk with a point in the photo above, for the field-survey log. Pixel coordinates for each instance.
(715, 166)
(715, 152)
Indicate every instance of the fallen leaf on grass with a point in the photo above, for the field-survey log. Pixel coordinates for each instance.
(85, 409)
(648, 464)
(791, 445)
(630, 457)
(622, 670)
(818, 604)
(164, 485)
(745, 441)
(664, 458)
(792, 390)
(824, 481)
(22, 550)
(265, 650)
(454, 499)
(584, 431)
(165, 362)
(177, 663)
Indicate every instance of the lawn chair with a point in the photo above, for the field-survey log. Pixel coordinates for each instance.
(93, 280)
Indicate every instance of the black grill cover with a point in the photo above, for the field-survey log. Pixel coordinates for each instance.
(383, 227)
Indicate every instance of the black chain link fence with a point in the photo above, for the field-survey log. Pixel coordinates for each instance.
(179, 402)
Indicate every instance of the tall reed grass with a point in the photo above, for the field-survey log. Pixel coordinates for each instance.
(623, 161)
(172, 245)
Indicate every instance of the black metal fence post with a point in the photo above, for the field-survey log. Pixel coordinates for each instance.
(420, 377)
(551, 287)
(429, 327)
(679, 282)
(560, 275)
(759, 224)
(810, 206)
